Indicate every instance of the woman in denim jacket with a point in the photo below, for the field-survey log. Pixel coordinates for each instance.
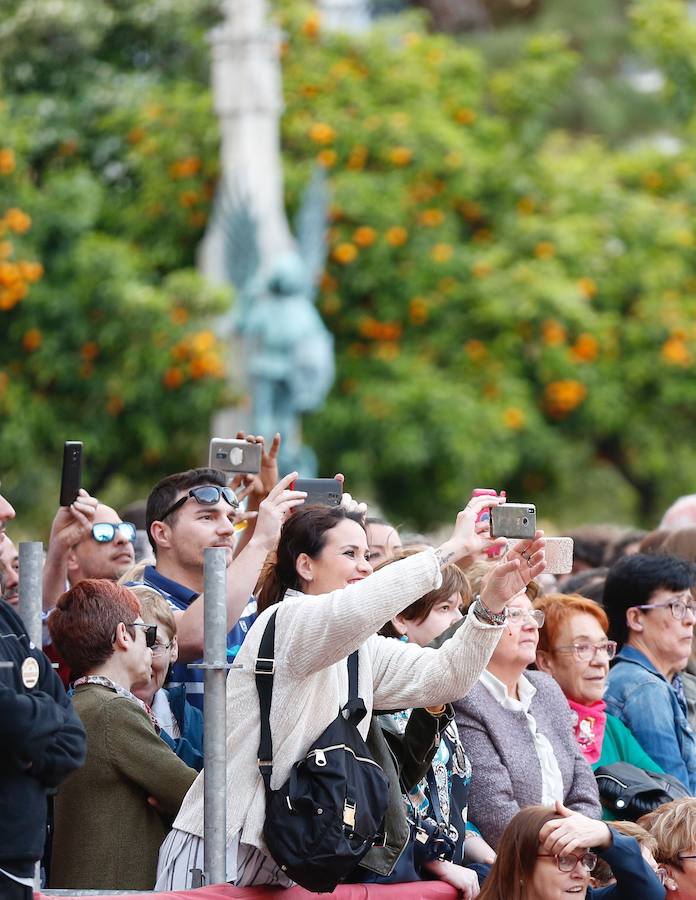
(652, 611)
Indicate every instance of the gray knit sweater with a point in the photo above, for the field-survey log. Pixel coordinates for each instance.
(506, 768)
(314, 635)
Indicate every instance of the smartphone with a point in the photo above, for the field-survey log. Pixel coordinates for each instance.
(559, 555)
(233, 455)
(485, 514)
(71, 477)
(322, 491)
(513, 520)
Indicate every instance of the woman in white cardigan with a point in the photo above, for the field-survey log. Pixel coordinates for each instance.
(330, 608)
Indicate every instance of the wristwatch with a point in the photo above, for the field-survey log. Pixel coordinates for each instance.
(484, 614)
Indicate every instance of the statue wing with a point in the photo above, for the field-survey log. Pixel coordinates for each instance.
(311, 225)
(233, 213)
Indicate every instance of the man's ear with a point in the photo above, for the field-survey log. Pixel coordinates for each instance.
(304, 567)
(71, 561)
(634, 619)
(161, 535)
(542, 661)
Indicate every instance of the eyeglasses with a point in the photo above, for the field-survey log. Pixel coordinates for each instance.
(568, 861)
(150, 632)
(687, 856)
(678, 607)
(158, 648)
(585, 651)
(517, 616)
(103, 532)
(206, 495)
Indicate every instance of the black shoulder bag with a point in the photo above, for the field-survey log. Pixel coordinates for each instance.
(628, 792)
(324, 819)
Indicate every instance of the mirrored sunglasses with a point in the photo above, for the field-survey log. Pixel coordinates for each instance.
(103, 532)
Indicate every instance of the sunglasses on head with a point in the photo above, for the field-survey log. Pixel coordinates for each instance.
(103, 532)
(206, 495)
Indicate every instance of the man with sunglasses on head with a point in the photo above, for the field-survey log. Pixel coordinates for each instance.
(186, 513)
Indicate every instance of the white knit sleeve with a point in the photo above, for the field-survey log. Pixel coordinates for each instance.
(407, 675)
(315, 632)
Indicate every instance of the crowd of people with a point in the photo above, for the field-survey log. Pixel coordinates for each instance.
(497, 698)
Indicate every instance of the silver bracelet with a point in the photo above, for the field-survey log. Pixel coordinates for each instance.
(484, 614)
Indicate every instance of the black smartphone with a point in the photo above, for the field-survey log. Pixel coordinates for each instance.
(322, 491)
(72, 472)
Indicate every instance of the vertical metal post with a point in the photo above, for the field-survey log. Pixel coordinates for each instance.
(30, 588)
(215, 714)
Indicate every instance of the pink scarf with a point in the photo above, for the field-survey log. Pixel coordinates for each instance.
(589, 722)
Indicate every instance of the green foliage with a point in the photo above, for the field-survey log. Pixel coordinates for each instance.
(108, 160)
(512, 305)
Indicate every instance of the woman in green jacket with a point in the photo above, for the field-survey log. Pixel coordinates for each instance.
(574, 649)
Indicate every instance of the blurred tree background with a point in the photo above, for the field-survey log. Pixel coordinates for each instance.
(512, 264)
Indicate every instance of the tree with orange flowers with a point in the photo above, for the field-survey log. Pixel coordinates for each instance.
(512, 304)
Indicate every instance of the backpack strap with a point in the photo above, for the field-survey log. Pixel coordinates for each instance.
(354, 710)
(264, 668)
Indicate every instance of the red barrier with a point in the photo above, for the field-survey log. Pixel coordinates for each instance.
(419, 890)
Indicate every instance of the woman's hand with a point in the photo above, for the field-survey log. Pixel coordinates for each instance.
(512, 575)
(470, 536)
(274, 510)
(347, 502)
(463, 879)
(572, 831)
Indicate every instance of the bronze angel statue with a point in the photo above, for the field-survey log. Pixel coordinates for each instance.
(289, 355)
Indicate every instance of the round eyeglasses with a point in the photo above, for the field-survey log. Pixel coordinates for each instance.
(517, 616)
(586, 650)
(566, 862)
(103, 532)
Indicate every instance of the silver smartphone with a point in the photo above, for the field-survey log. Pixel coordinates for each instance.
(513, 520)
(233, 455)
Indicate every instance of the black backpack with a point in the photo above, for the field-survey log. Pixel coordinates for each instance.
(324, 819)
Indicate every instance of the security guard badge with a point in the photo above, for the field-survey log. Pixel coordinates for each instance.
(30, 672)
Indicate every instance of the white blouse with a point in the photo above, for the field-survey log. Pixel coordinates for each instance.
(551, 778)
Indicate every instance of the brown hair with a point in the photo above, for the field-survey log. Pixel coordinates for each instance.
(517, 855)
(558, 608)
(304, 532)
(673, 825)
(153, 606)
(681, 543)
(83, 624)
(454, 581)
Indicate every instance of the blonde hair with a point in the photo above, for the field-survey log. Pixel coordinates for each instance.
(154, 606)
(673, 825)
(641, 834)
(135, 573)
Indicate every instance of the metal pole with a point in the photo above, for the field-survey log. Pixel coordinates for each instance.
(30, 588)
(215, 715)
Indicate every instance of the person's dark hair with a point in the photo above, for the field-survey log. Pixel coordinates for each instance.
(590, 544)
(588, 583)
(618, 548)
(304, 532)
(164, 493)
(681, 543)
(517, 855)
(454, 581)
(632, 581)
(83, 624)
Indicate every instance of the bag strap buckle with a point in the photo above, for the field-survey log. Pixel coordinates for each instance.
(264, 666)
